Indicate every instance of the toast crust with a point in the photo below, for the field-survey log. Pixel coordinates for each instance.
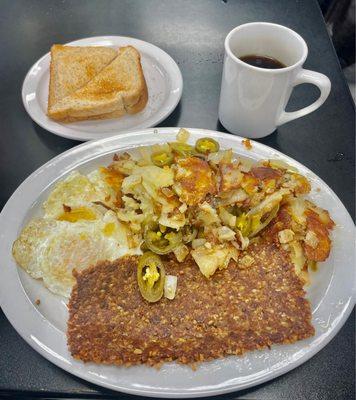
(111, 115)
(51, 99)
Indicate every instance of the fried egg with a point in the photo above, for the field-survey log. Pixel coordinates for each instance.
(77, 196)
(50, 249)
(76, 191)
(108, 183)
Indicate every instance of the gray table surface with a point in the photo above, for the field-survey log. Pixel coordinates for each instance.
(192, 32)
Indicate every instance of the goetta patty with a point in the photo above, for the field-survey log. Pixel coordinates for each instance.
(241, 308)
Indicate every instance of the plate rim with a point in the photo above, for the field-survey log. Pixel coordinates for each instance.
(66, 131)
(179, 393)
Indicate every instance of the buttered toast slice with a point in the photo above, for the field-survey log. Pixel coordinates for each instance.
(73, 67)
(118, 89)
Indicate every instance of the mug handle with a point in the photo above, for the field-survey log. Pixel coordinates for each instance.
(315, 78)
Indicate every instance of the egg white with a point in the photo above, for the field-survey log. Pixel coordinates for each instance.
(74, 191)
(50, 249)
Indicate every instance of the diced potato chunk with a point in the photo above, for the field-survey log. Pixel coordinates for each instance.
(285, 236)
(231, 176)
(311, 239)
(170, 287)
(225, 234)
(209, 260)
(181, 252)
(207, 214)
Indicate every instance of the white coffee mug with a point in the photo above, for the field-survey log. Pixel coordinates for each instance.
(253, 99)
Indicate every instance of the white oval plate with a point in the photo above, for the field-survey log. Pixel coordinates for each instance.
(164, 82)
(331, 293)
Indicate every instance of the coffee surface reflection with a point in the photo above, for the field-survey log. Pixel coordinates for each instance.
(262, 61)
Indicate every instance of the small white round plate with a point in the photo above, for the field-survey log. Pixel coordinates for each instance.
(164, 82)
(331, 292)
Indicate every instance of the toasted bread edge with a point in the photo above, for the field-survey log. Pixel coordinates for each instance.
(137, 103)
(51, 89)
(110, 115)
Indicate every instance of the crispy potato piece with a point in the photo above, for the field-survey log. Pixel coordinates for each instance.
(321, 251)
(265, 173)
(281, 222)
(249, 183)
(231, 176)
(324, 215)
(195, 180)
(303, 185)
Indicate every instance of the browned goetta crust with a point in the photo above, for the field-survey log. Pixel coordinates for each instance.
(237, 310)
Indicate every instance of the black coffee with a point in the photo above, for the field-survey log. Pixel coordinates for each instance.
(262, 61)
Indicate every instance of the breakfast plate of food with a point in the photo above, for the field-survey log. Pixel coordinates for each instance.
(100, 86)
(176, 262)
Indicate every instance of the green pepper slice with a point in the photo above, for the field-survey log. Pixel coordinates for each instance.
(207, 145)
(251, 224)
(189, 233)
(150, 276)
(264, 220)
(243, 224)
(182, 149)
(162, 158)
(159, 240)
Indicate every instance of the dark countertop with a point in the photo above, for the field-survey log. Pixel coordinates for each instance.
(192, 32)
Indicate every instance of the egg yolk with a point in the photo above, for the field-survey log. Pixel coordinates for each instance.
(76, 214)
(109, 229)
